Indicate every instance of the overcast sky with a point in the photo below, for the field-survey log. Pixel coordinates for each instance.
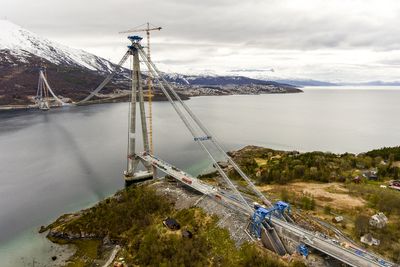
(330, 40)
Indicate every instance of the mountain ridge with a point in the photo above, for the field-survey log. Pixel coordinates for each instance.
(23, 43)
(73, 73)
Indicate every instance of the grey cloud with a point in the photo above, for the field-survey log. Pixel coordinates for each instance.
(177, 61)
(200, 30)
(390, 62)
(260, 23)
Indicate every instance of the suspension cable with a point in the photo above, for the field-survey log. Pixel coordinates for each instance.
(107, 79)
(50, 90)
(193, 132)
(206, 131)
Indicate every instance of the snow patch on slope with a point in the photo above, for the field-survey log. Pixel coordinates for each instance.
(21, 43)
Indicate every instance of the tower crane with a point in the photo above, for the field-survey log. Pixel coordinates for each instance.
(148, 29)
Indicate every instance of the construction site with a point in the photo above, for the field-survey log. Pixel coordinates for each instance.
(248, 214)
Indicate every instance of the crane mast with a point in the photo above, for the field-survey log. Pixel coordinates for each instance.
(150, 93)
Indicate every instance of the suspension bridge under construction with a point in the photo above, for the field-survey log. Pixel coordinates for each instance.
(269, 223)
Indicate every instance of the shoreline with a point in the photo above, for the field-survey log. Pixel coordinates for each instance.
(121, 99)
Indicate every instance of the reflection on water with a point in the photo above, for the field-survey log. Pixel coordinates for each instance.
(65, 159)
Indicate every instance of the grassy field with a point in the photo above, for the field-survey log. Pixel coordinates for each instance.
(322, 185)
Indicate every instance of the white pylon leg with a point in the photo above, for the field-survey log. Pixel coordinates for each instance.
(132, 174)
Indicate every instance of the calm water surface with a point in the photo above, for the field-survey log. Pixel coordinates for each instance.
(63, 160)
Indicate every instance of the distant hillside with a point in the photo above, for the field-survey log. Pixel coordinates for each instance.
(308, 83)
(72, 72)
(216, 80)
(18, 83)
(376, 83)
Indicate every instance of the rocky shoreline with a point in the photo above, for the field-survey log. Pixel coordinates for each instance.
(64, 229)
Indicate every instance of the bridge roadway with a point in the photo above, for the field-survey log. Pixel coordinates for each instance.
(221, 196)
(350, 256)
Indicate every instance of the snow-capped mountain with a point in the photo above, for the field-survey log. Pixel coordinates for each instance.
(72, 72)
(274, 75)
(242, 77)
(22, 44)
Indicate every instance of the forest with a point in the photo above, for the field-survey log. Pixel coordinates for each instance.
(267, 166)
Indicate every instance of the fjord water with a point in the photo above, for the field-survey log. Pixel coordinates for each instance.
(67, 159)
